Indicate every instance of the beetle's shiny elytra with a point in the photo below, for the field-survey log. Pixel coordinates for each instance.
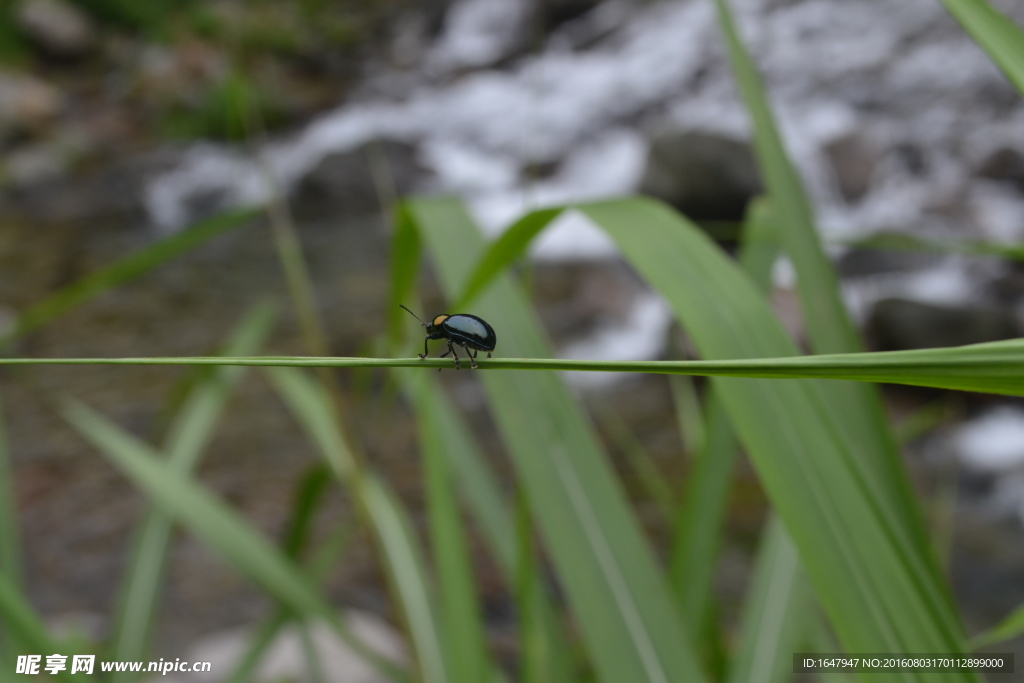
(468, 331)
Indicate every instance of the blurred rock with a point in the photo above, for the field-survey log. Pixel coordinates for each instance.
(900, 324)
(26, 103)
(57, 28)
(858, 262)
(1008, 288)
(40, 188)
(285, 658)
(705, 175)
(853, 161)
(1005, 164)
(345, 181)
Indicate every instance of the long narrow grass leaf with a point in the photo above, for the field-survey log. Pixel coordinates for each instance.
(408, 574)
(21, 619)
(10, 560)
(217, 525)
(1010, 627)
(621, 600)
(857, 409)
(549, 652)
(776, 599)
(878, 587)
(402, 557)
(993, 367)
(124, 270)
(188, 437)
(995, 33)
(459, 604)
(504, 251)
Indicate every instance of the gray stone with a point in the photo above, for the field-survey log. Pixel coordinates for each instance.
(1006, 164)
(900, 324)
(853, 161)
(705, 175)
(57, 28)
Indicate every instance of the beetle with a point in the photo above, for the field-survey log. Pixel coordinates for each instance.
(468, 331)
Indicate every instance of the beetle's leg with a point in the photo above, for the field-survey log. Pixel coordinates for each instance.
(454, 355)
(488, 354)
(446, 352)
(425, 351)
(472, 359)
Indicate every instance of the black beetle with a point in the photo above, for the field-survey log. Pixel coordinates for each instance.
(468, 331)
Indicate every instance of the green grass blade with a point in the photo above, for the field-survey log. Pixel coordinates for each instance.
(124, 270)
(504, 251)
(460, 607)
(699, 520)
(879, 589)
(188, 437)
(857, 409)
(10, 560)
(549, 653)
(311, 406)
(772, 622)
(689, 414)
(217, 525)
(544, 657)
(405, 258)
(654, 484)
(819, 287)
(408, 574)
(898, 241)
(22, 621)
(993, 367)
(264, 635)
(10, 555)
(620, 599)
(700, 516)
(1010, 627)
(402, 557)
(995, 33)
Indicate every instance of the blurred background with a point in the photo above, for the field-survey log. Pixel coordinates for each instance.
(122, 123)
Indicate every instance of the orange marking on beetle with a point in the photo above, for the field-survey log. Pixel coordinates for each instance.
(439, 319)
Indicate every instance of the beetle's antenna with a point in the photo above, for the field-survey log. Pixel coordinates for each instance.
(414, 315)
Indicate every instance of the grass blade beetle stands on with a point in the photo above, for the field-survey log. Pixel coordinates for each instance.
(468, 331)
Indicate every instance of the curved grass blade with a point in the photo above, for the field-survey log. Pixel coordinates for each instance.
(402, 557)
(699, 520)
(1010, 627)
(10, 556)
(619, 597)
(186, 440)
(10, 560)
(771, 622)
(460, 606)
(549, 652)
(264, 635)
(124, 270)
(22, 621)
(504, 251)
(880, 591)
(995, 33)
(216, 524)
(408, 574)
(857, 409)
